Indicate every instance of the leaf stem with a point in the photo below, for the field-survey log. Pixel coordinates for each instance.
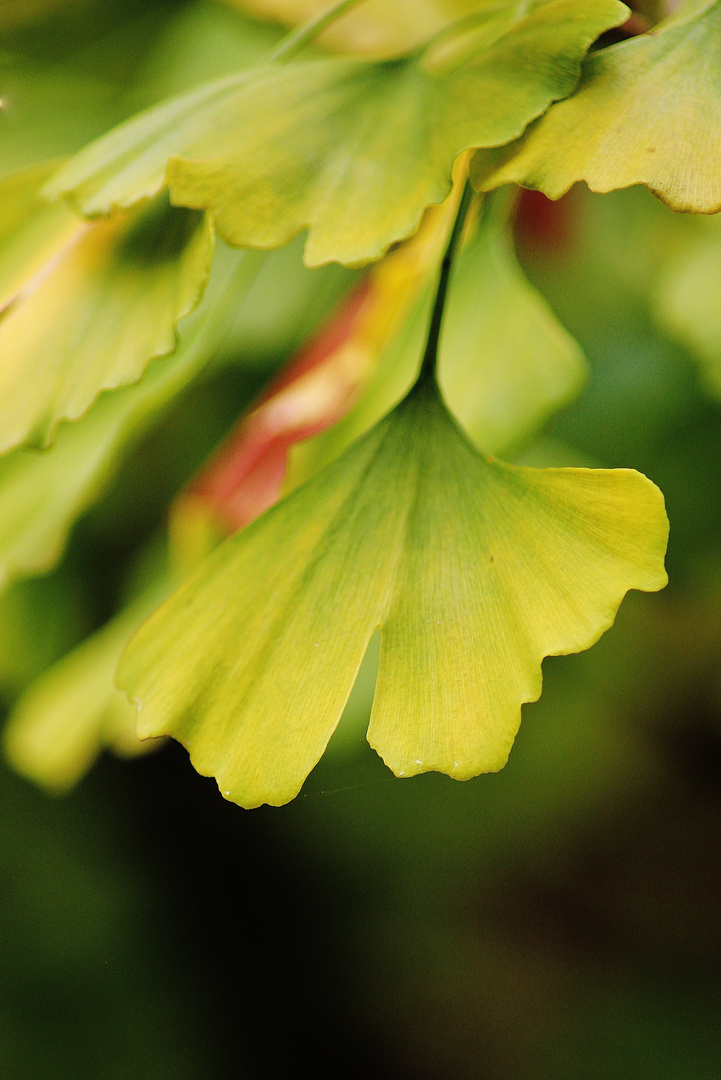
(430, 356)
(298, 39)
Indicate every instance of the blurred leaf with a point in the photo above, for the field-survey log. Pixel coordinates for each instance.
(648, 111)
(73, 711)
(687, 300)
(32, 232)
(42, 493)
(369, 145)
(304, 423)
(285, 304)
(39, 621)
(88, 305)
(505, 364)
(475, 571)
(376, 27)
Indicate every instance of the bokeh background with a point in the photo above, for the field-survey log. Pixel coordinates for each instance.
(558, 921)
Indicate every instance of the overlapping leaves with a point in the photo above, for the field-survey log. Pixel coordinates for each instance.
(505, 363)
(43, 493)
(351, 149)
(473, 570)
(87, 305)
(647, 111)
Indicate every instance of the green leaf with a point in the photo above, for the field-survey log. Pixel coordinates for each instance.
(687, 300)
(88, 304)
(353, 150)
(506, 363)
(32, 233)
(375, 26)
(43, 492)
(39, 621)
(73, 711)
(648, 111)
(474, 571)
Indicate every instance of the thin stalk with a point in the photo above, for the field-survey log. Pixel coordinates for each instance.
(298, 39)
(430, 356)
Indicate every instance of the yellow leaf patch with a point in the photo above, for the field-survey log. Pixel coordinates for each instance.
(85, 306)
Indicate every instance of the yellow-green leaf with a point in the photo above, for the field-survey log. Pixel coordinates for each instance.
(375, 26)
(353, 150)
(43, 492)
(506, 362)
(647, 111)
(72, 711)
(687, 300)
(32, 233)
(473, 570)
(40, 620)
(87, 305)
(505, 365)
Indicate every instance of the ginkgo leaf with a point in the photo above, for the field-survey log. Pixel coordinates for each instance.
(505, 363)
(43, 492)
(687, 301)
(647, 111)
(87, 305)
(73, 711)
(353, 150)
(473, 570)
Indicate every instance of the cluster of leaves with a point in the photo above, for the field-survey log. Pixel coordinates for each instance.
(394, 518)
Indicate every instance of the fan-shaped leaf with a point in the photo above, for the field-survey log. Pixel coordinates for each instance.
(89, 304)
(648, 111)
(352, 149)
(474, 571)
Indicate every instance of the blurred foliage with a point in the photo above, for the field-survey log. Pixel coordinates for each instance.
(279, 148)
(561, 919)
